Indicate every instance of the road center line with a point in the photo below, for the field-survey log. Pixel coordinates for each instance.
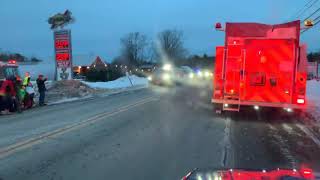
(6, 151)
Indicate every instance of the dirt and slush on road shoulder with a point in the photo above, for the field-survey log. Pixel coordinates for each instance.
(69, 89)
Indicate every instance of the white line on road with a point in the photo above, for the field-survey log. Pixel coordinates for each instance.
(309, 133)
(6, 151)
(226, 143)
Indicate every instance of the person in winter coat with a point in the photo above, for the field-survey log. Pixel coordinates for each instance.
(26, 79)
(7, 96)
(41, 89)
(20, 93)
(28, 100)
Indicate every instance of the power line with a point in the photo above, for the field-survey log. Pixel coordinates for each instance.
(312, 14)
(301, 10)
(308, 7)
(298, 13)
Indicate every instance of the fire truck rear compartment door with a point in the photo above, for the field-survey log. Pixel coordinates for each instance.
(269, 70)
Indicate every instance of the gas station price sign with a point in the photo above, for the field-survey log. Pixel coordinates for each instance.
(62, 44)
(63, 50)
(62, 56)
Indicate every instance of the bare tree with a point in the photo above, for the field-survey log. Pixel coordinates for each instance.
(133, 48)
(170, 43)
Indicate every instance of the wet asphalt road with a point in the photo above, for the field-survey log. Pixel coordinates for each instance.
(154, 133)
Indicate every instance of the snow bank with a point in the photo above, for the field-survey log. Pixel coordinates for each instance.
(312, 121)
(313, 92)
(313, 96)
(122, 82)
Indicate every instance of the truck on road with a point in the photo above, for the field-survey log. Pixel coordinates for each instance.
(8, 71)
(260, 65)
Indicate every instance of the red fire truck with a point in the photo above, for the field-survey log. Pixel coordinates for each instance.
(260, 65)
(8, 70)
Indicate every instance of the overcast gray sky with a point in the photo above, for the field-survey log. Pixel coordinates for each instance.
(101, 23)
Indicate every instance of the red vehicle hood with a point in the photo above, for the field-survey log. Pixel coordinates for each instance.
(239, 174)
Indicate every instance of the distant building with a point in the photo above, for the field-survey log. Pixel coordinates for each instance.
(83, 63)
(98, 64)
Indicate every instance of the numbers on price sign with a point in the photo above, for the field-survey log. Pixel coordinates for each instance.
(62, 57)
(62, 44)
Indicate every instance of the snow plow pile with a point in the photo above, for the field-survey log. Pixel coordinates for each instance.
(260, 65)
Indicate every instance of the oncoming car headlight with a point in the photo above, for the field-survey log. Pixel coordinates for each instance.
(165, 76)
(206, 74)
(167, 67)
(191, 75)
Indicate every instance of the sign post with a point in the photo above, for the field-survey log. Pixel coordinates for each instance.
(63, 54)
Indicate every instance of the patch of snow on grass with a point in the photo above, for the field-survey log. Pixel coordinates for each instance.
(122, 82)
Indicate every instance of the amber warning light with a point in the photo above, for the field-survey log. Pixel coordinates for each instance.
(308, 23)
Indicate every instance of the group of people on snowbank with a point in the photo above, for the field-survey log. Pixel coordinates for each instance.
(17, 94)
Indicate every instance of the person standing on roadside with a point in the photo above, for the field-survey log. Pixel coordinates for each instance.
(7, 96)
(28, 101)
(41, 89)
(20, 92)
(26, 79)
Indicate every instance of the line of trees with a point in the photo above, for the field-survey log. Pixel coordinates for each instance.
(137, 49)
(18, 57)
(314, 57)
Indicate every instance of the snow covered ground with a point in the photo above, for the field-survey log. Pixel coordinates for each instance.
(67, 91)
(122, 82)
(313, 96)
(312, 118)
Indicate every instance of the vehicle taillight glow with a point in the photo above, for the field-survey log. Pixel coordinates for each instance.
(307, 173)
(12, 62)
(300, 101)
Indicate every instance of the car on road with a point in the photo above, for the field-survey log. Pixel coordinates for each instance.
(162, 77)
(203, 74)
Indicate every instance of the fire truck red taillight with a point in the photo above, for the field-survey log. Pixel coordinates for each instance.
(300, 101)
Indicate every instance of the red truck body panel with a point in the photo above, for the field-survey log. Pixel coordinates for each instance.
(264, 66)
